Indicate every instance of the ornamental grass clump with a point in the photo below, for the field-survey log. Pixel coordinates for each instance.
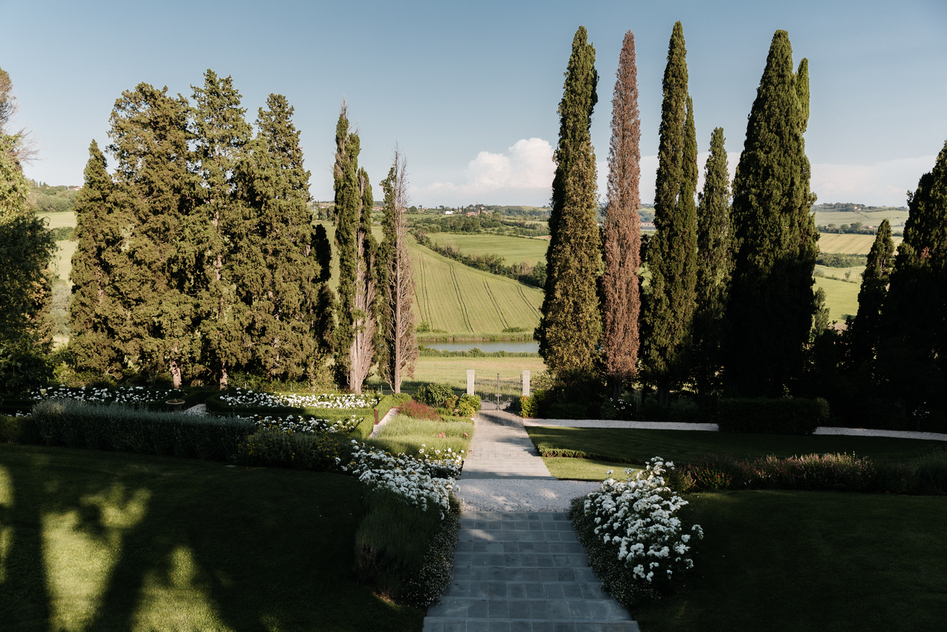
(634, 538)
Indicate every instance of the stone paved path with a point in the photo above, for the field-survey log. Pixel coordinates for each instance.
(519, 571)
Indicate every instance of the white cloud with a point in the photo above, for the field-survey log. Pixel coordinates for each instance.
(522, 175)
(879, 184)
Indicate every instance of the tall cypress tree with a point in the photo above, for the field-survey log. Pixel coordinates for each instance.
(622, 235)
(291, 277)
(355, 310)
(94, 314)
(775, 241)
(396, 321)
(714, 266)
(867, 330)
(914, 355)
(220, 135)
(672, 252)
(570, 325)
(153, 190)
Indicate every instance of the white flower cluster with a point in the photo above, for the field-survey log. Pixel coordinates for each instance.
(639, 516)
(243, 397)
(420, 482)
(93, 395)
(298, 423)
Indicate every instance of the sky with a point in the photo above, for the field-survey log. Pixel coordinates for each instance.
(469, 91)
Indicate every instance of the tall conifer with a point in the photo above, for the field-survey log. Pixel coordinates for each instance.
(94, 314)
(775, 241)
(622, 235)
(672, 252)
(867, 330)
(400, 345)
(570, 326)
(714, 266)
(913, 357)
(153, 190)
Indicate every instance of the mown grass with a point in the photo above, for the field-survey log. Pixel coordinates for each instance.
(786, 561)
(512, 249)
(586, 469)
(108, 541)
(406, 435)
(453, 371)
(841, 297)
(627, 445)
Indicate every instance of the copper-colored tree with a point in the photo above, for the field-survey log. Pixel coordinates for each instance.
(622, 236)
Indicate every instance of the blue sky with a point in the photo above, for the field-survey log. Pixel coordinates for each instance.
(469, 90)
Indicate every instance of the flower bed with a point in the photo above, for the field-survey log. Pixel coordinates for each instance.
(635, 540)
(134, 395)
(341, 401)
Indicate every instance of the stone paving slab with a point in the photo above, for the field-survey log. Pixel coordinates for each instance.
(524, 571)
(501, 448)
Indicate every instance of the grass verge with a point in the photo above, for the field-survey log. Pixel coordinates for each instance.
(406, 435)
(785, 561)
(101, 540)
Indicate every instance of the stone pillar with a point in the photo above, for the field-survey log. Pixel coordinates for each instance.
(525, 383)
(470, 381)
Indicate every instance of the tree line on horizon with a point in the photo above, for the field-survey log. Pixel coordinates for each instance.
(729, 307)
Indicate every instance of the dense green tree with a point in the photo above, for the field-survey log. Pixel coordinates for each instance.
(570, 326)
(94, 313)
(714, 266)
(396, 316)
(220, 135)
(355, 310)
(867, 330)
(672, 253)
(775, 241)
(914, 352)
(153, 192)
(622, 234)
(282, 287)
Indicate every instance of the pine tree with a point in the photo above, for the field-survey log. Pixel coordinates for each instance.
(714, 266)
(913, 354)
(672, 252)
(153, 189)
(775, 241)
(220, 135)
(570, 326)
(622, 234)
(397, 321)
(867, 330)
(94, 315)
(355, 310)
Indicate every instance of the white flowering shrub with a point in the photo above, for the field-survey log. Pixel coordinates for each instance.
(340, 401)
(636, 540)
(300, 423)
(96, 395)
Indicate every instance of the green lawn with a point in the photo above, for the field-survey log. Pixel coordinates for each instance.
(512, 249)
(788, 561)
(638, 446)
(104, 541)
(841, 297)
(453, 371)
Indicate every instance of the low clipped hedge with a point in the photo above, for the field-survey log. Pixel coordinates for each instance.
(78, 424)
(364, 429)
(795, 416)
(19, 430)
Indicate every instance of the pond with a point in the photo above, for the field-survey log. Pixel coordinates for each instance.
(510, 346)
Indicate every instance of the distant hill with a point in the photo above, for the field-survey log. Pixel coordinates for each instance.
(53, 199)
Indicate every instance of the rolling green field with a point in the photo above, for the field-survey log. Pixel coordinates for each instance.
(512, 249)
(841, 297)
(849, 244)
(870, 218)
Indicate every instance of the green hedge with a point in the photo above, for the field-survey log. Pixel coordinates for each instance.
(364, 429)
(19, 430)
(772, 416)
(80, 425)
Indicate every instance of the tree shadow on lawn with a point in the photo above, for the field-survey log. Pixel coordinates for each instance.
(107, 541)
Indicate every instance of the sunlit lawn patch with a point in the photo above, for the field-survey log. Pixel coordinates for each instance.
(407, 435)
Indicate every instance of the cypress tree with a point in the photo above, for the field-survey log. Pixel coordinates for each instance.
(355, 310)
(220, 135)
(775, 241)
(867, 330)
(622, 234)
(288, 277)
(570, 325)
(915, 310)
(154, 189)
(94, 314)
(397, 321)
(672, 252)
(714, 265)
